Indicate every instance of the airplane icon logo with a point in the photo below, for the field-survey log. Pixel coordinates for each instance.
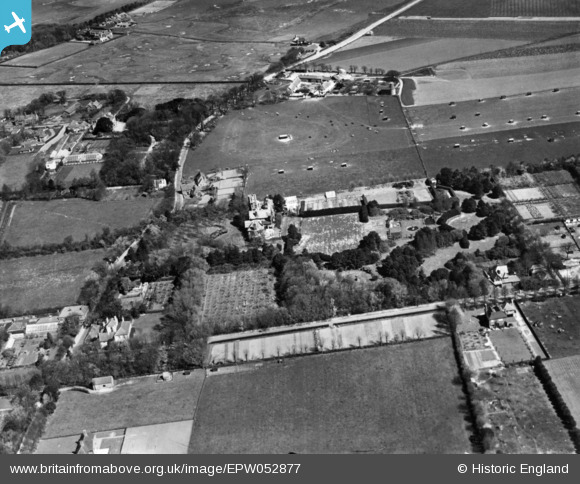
(16, 18)
(18, 22)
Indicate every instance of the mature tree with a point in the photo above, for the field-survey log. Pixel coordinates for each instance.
(104, 125)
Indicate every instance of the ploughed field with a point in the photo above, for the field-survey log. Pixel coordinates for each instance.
(390, 399)
(372, 140)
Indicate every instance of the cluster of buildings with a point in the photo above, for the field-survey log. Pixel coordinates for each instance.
(111, 330)
(261, 218)
(94, 36)
(120, 20)
(214, 186)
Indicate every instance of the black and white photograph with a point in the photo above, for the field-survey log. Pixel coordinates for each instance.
(290, 227)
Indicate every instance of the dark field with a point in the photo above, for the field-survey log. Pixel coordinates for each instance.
(325, 134)
(494, 148)
(379, 400)
(559, 327)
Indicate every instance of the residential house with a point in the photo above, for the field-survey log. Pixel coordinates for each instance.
(78, 127)
(124, 332)
(135, 297)
(159, 184)
(81, 311)
(394, 230)
(94, 106)
(501, 275)
(260, 217)
(496, 317)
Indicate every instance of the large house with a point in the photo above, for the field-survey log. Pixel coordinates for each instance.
(497, 316)
(113, 330)
(81, 311)
(261, 217)
(501, 275)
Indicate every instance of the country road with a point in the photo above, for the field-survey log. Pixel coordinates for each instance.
(352, 38)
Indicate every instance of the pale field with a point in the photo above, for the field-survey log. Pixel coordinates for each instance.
(167, 438)
(328, 338)
(45, 56)
(437, 260)
(66, 11)
(464, 221)
(467, 80)
(335, 233)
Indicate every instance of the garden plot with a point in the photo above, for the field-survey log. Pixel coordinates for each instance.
(322, 337)
(537, 211)
(510, 345)
(335, 233)
(565, 373)
(233, 296)
(525, 194)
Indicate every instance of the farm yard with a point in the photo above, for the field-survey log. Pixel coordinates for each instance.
(237, 295)
(510, 345)
(335, 233)
(522, 417)
(345, 141)
(339, 333)
(50, 222)
(555, 322)
(30, 284)
(565, 373)
(387, 400)
(150, 403)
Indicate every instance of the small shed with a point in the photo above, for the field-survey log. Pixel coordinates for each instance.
(103, 383)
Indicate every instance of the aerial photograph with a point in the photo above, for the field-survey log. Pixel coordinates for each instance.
(290, 227)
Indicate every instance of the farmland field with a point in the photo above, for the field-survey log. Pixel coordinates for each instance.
(136, 402)
(50, 222)
(565, 373)
(521, 415)
(387, 400)
(326, 134)
(555, 321)
(496, 8)
(335, 233)
(498, 150)
(235, 295)
(407, 54)
(34, 283)
(65, 11)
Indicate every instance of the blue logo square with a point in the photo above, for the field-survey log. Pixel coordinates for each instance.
(15, 22)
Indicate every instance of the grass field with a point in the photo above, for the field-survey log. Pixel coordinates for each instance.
(233, 296)
(67, 174)
(32, 283)
(145, 324)
(326, 133)
(335, 233)
(378, 400)
(565, 373)
(46, 56)
(555, 321)
(50, 222)
(521, 415)
(137, 402)
(65, 11)
(14, 169)
(510, 345)
(407, 54)
(444, 255)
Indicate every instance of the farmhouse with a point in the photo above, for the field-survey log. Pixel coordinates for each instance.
(500, 275)
(159, 184)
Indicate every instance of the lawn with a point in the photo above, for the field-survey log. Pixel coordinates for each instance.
(326, 133)
(510, 345)
(521, 415)
(30, 284)
(50, 222)
(67, 174)
(14, 168)
(555, 321)
(137, 402)
(144, 325)
(445, 254)
(390, 399)
(565, 373)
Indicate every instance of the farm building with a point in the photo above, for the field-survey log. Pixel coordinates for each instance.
(500, 316)
(44, 325)
(73, 108)
(299, 41)
(81, 311)
(103, 383)
(94, 106)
